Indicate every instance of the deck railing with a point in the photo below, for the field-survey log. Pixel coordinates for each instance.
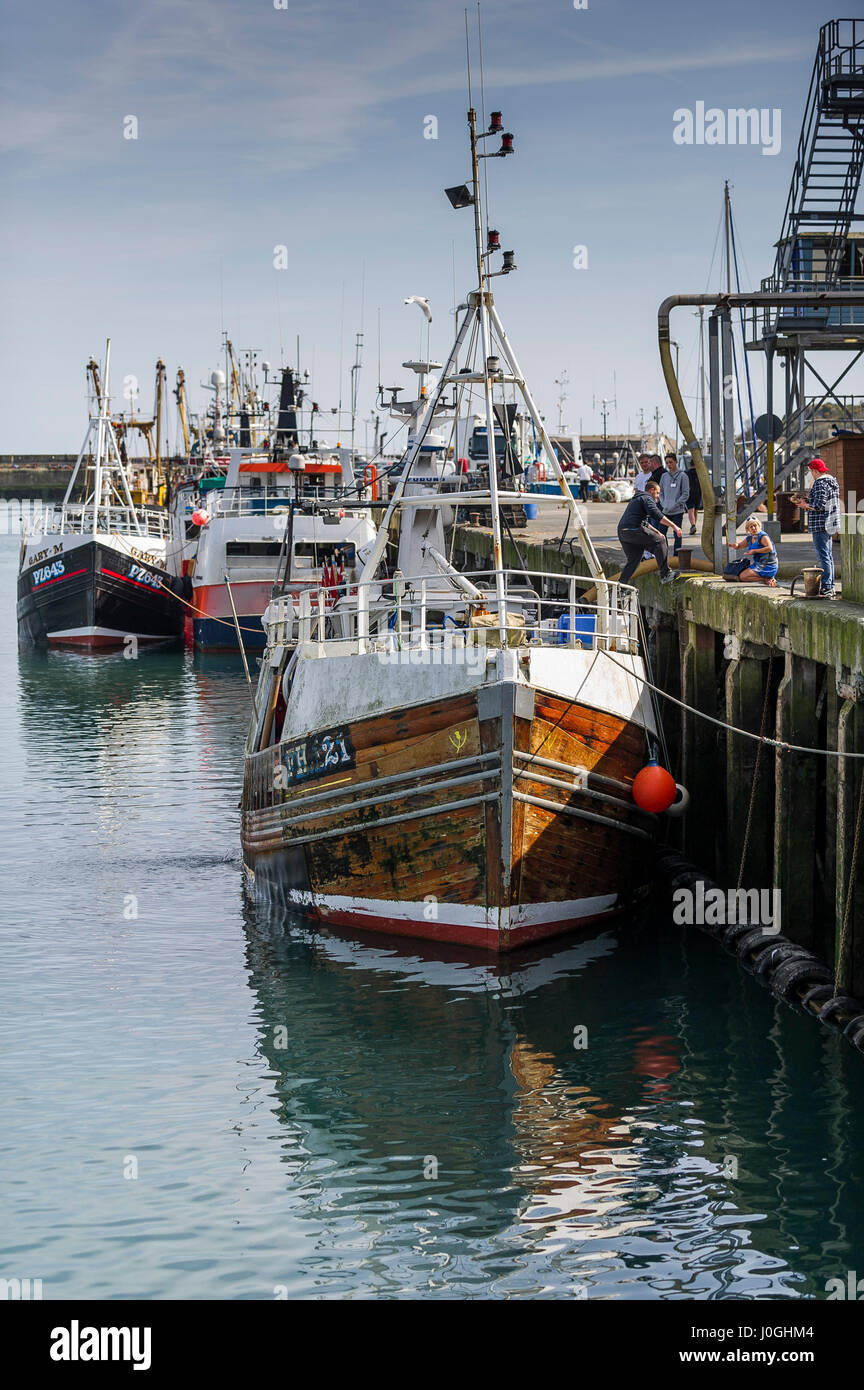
(118, 520)
(408, 617)
(241, 501)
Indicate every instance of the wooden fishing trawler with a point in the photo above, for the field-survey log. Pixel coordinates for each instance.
(100, 570)
(451, 755)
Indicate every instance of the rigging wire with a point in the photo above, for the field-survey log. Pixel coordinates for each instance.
(746, 363)
(483, 114)
(714, 252)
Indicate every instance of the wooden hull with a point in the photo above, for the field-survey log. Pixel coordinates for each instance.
(493, 818)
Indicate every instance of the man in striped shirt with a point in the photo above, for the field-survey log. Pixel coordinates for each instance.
(822, 506)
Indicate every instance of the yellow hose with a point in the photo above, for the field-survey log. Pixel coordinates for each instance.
(709, 501)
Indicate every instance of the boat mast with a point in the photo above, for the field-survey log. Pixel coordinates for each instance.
(480, 308)
(160, 384)
(100, 439)
(488, 362)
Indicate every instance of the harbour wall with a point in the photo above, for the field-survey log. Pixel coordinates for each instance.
(790, 669)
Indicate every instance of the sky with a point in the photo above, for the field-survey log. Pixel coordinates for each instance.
(305, 127)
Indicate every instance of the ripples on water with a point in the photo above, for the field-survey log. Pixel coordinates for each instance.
(336, 1118)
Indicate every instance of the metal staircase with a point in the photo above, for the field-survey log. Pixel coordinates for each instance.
(829, 161)
(814, 251)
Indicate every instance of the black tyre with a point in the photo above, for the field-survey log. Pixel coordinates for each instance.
(748, 945)
(839, 1011)
(816, 997)
(794, 977)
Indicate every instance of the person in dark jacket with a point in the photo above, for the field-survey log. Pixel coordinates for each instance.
(639, 530)
(694, 500)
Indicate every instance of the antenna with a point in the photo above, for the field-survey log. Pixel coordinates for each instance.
(605, 402)
(279, 324)
(355, 373)
(338, 411)
(562, 382)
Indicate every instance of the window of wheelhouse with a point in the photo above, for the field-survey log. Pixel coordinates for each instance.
(311, 556)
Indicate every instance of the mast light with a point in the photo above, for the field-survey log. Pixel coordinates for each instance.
(460, 196)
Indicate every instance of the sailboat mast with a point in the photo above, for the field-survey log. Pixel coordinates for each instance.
(727, 214)
(702, 370)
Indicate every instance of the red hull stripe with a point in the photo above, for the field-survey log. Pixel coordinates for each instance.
(56, 580)
(459, 934)
(154, 589)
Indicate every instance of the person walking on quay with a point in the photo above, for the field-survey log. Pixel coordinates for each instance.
(583, 478)
(641, 480)
(822, 506)
(639, 530)
(657, 469)
(761, 557)
(674, 496)
(694, 498)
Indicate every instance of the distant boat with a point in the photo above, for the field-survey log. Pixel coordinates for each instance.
(99, 570)
(451, 755)
(272, 523)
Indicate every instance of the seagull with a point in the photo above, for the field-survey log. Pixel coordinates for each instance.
(421, 304)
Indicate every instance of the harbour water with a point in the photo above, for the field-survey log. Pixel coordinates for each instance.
(201, 1101)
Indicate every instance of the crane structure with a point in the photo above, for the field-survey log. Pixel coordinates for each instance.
(182, 412)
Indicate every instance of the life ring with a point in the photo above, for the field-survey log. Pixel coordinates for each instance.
(370, 476)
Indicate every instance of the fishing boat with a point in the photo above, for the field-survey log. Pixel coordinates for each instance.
(451, 755)
(99, 570)
(292, 513)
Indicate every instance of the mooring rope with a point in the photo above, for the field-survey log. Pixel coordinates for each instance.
(732, 728)
(212, 617)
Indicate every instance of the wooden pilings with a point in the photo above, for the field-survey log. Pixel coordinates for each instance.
(743, 654)
(849, 875)
(703, 745)
(799, 804)
(805, 809)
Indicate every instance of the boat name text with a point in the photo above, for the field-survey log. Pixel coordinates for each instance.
(311, 756)
(146, 557)
(142, 576)
(46, 572)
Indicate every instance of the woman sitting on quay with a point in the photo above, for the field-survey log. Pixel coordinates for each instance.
(761, 559)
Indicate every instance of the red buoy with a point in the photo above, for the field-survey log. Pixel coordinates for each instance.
(654, 789)
(200, 517)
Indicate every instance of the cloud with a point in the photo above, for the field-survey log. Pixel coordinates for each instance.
(287, 91)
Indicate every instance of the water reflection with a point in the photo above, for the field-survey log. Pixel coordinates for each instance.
(608, 1167)
(423, 1123)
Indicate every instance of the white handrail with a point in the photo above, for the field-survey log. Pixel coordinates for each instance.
(364, 613)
